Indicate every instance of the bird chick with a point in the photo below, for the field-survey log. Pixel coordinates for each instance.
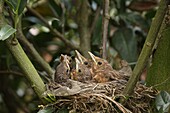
(126, 71)
(103, 71)
(81, 73)
(62, 73)
(83, 60)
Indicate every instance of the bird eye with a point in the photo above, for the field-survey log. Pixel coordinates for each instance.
(99, 63)
(70, 61)
(67, 70)
(85, 63)
(79, 70)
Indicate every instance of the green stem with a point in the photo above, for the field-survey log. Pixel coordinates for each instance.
(23, 61)
(146, 51)
(27, 67)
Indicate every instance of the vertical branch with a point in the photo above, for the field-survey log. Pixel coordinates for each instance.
(147, 48)
(84, 31)
(105, 23)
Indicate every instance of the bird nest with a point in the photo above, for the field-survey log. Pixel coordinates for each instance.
(99, 97)
(93, 86)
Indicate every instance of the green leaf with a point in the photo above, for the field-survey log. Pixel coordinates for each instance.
(56, 8)
(21, 7)
(163, 102)
(12, 4)
(6, 31)
(125, 43)
(47, 110)
(17, 5)
(52, 97)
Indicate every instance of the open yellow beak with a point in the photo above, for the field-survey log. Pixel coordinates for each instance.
(80, 57)
(67, 62)
(93, 57)
(77, 64)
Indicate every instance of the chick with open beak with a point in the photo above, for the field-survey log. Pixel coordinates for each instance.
(103, 71)
(62, 73)
(83, 73)
(83, 60)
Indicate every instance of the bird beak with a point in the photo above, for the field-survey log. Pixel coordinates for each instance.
(80, 57)
(67, 62)
(77, 64)
(93, 57)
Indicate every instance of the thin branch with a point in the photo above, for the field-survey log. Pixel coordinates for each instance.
(10, 72)
(105, 23)
(33, 51)
(52, 30)
(147, 48)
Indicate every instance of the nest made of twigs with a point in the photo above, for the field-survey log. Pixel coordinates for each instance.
(100, 97)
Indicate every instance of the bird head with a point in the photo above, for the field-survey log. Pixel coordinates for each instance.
(83, 60)
(64, 59)
(97, 62)
(82, 72)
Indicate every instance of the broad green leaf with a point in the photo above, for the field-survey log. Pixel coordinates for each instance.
(6, 31)
(125, 43)
(163, 102)
(47, 110)
(134, 19)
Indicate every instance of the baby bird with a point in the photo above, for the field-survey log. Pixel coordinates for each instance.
(103, 71)
(82, 73)
(83, 60)
(62, 73)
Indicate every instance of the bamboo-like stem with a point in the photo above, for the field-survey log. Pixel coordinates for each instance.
(105, 23)
(52, 30)
(26, 66)
(23, 61)
(33, 51)
(147, 48)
